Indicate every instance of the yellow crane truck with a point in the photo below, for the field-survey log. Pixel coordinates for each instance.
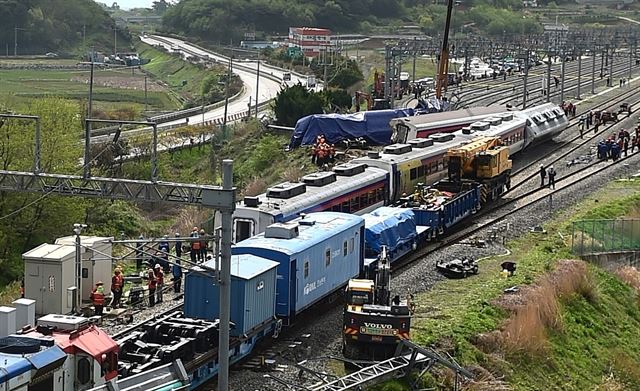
(484, 160)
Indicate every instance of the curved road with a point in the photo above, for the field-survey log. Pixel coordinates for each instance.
(267, 90)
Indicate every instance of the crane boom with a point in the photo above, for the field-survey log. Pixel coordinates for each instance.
(444, 53)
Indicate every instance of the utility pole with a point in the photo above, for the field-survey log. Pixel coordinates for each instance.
(562, 76)
(525, 92)
(415, 52)
(225, 282)
(258, 84)
(84, 37)
(593, 72)
(115, 39)
(145, 92)
(387, 71)
(548, 73)
(87, 136)
(77, 230)
(224, 133)
(15, 41)
(579, 72)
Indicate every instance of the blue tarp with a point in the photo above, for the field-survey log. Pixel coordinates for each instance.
(373, 126)
(387, 226)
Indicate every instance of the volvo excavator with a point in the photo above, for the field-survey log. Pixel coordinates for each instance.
(374, 322)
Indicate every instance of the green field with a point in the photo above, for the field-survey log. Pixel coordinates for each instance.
(113, 89)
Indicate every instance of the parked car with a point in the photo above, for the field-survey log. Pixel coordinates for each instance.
(51, 55)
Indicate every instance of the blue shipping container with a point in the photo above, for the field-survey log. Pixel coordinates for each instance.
(324, 254)
(253, 292)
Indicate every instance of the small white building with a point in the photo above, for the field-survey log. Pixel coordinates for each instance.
(50, 270)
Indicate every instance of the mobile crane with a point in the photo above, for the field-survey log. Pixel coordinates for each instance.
(373, 322)
(484, 160)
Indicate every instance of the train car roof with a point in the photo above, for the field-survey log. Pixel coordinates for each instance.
(13, 366)
(245, 266)
(316, 195)
(449, 115)
(313, 229)
(23, 358)
(438, 148)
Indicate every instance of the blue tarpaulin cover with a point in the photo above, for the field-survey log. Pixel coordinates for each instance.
(373, 126)
(389, 227)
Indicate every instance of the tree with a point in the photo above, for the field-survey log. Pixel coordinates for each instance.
(160, 6)
(337, 99)
(296, 102)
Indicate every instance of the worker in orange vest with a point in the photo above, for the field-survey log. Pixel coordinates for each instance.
(97, 298)
(117, 285)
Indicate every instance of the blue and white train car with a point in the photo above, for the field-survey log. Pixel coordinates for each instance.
(348, 188)
(317, 254)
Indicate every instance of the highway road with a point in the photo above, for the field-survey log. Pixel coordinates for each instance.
(267, 90)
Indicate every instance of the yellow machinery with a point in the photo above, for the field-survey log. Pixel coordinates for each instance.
(484, 160)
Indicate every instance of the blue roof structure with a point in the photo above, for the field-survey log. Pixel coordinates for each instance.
(246, 266)
(12, 366)
(314, 228)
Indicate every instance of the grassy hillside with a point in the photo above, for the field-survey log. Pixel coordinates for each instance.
(185, 80)
(574, 328)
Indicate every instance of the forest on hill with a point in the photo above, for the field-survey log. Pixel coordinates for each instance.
(222, 21)
(54, 26)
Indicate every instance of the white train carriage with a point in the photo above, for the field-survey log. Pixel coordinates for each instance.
(512, 130)
(348, 188)
(545, 121)
(420, 126)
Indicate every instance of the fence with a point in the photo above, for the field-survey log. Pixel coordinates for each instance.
(600, 236)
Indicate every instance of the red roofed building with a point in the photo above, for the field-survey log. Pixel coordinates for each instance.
(310, 40)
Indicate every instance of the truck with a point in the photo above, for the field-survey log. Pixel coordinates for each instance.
(373, 321)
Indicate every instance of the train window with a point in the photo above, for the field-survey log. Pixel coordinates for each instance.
(336, 208)
(421, 172)
(345, 248)
(83, 370)
(306, 269)
(244, 229)
(351, 244)
(345, 207)
(413, 173)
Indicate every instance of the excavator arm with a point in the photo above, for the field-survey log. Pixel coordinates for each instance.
(444, 54)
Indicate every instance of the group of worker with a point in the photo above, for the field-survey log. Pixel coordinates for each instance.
(613, 149)
(548, 172)
(155, 275)
(569, 108)
(323, 152)
(98, 295)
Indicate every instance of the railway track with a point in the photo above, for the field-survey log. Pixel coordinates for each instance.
(473, 95)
